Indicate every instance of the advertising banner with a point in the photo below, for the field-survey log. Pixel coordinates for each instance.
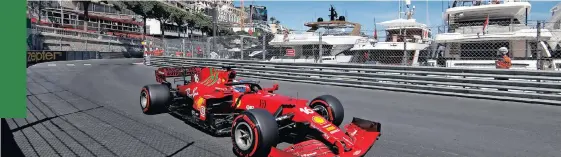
(40, 56)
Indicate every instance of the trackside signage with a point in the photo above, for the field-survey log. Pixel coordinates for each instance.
(35, 57)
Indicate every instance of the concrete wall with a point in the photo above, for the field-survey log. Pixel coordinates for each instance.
(47, 41)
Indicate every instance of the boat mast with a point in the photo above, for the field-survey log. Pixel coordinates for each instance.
(427, 13)
(399, 12)
(408, 11)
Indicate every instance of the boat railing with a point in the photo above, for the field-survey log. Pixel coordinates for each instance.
(490, 29)
(83, 35)
(470, 3)
(493, 28)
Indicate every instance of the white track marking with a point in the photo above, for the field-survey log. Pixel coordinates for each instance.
(87, 64)
(52, 65)
(69, 64)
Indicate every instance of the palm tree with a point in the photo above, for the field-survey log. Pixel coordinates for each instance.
(272, 19)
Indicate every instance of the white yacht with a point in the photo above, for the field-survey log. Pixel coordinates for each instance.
(476, 30)
(336, 39)
(395, 50)
(554, 25)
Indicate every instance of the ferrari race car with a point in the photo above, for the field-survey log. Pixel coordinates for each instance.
(255, 117)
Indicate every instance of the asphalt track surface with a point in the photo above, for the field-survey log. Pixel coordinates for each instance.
(91, 108)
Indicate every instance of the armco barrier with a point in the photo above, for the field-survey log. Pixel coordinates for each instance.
(40, 56)
(523, 85)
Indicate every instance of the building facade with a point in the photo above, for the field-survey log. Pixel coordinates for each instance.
(70, 15)
(228, 15)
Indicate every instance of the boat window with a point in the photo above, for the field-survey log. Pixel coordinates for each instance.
(395, 34)
(335, 31)
(468, 3)
(480, 22)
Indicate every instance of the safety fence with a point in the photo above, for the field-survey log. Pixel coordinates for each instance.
(531, 46)
(232, 46)
(510, 85)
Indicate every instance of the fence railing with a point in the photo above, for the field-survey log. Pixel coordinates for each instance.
(511, 85)
(86, 35)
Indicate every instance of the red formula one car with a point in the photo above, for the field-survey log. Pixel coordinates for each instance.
(256, 117)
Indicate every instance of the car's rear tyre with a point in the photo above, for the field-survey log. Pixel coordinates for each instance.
(330, 108)
(155, 99)
(254, 132)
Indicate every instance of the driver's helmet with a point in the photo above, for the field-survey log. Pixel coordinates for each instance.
(239, 88)
(503, 51)
(232, 75)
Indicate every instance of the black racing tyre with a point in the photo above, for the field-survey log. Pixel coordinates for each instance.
(330, 108)
(155, 98)
(254, 132)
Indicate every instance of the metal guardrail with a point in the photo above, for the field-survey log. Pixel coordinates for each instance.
(522, 85)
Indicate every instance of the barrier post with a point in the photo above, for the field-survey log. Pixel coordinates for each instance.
(183, 46)
(264, 46)
(320, 48)
(241, 47)
(539, 51)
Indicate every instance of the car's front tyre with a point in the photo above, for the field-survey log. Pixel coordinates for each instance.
(330, 108)
(254, 133)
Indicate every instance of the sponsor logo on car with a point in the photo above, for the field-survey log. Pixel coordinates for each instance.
(238, 103)
(319, 120)
(200, 102)
(249, 107)
(332, 129)
(357, 152)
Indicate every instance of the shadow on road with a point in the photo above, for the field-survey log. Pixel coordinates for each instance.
(9, 146)
(194, 125)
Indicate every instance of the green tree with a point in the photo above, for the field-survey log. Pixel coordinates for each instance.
(165, 13)
(142, 8)
(162, 13)
(202, 22)
(191, 21)
(180, 18)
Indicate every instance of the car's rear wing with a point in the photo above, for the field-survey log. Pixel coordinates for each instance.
(163, 73)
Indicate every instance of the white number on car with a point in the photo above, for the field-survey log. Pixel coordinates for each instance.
(196, 77)
(306, 110)
(203, 111)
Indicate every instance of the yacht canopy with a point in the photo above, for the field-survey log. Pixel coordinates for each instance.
(402, 23)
